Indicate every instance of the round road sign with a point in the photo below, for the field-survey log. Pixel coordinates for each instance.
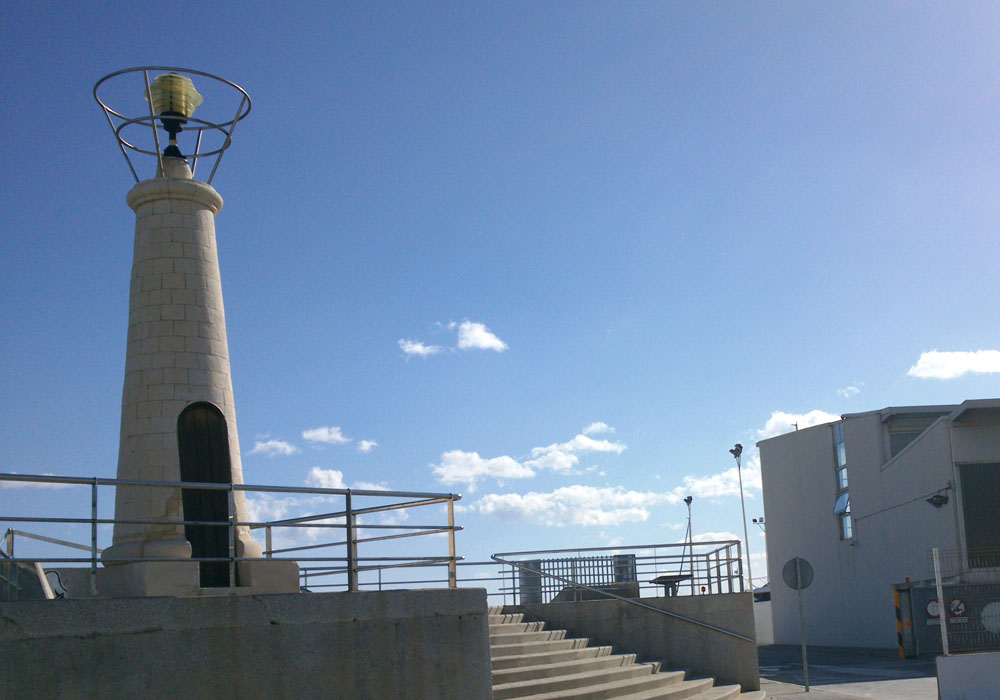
(798, 573)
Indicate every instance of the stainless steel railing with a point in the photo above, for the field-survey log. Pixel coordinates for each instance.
(539, 574)
(338, 557)
(652, 569)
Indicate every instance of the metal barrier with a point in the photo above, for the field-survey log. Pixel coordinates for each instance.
(351, 519)
(542, 576)
(957, 609)
(587, 567)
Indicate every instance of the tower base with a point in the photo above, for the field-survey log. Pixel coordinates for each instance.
(180, 579)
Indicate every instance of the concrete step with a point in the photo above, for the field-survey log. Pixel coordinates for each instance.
(683, 690)
(499, 650)
(532, 663)
(504, 618)
(548, 657)
(547, 670)
(495, 609)
(629, 689)
(581, 680)
(521, 637)
(513, 627)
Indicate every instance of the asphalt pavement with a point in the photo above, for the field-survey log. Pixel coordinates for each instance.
(837, 673)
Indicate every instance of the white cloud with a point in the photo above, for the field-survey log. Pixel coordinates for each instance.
(848, 391)
(715, 537)
(951, 365)
(34, 484)
(562, 457)
(418, 349)
(458, 467)
(574, 505)
(330, 435)
(598, 427)
(726, 483)
(552, 458)
(371, 486)
(319, 478)
(781, 422)
(478, 337)
(273, 448)
(366, 445)
(265, 507)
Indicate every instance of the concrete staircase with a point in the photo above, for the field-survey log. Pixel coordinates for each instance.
(534, 663)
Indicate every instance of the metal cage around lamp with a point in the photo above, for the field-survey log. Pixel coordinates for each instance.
(167, 100)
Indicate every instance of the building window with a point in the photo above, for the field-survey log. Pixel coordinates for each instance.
(842, 509)
(842, 506)
(846, 532)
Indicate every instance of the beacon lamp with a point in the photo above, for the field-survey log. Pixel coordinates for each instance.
(174, 99)
(166, 98)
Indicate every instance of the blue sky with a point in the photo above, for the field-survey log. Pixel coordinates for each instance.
(635, 234)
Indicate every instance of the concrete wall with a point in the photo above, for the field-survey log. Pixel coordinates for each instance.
(969, 676)
(419, 645)
(850, 602)
(763, 623)
(657, 637)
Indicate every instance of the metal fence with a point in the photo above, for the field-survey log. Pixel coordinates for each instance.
(963, 591)
(354, 543)
(544, 576)
(966, 564)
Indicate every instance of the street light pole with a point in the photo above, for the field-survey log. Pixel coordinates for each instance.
(736, 452)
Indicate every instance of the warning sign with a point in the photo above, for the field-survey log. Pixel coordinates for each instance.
(956, 612)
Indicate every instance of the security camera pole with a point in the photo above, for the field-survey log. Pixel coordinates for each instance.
(736, 452)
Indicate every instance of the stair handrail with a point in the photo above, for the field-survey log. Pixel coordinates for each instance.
(630, 601)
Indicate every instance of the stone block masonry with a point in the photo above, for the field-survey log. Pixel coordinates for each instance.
(177, 354)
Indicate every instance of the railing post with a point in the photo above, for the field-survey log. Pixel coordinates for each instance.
(739, 564)
(232, 539)
(267, 541)
(452, 572)
(718, 572)
(9, 568)
(352, 545)
(729, 567)
(93, 538)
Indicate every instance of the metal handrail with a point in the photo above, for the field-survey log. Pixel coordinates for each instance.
(354, 563)
(714, 566)
(630, 601)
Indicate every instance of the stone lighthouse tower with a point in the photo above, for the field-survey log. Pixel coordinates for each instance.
(178, 420)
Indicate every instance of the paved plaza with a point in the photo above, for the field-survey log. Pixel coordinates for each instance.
(846, 674)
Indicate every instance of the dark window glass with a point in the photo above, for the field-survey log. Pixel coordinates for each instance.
(980, 496)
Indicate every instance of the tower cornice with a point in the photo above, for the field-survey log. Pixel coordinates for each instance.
(161, 188)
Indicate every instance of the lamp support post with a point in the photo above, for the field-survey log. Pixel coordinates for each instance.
(737, 451)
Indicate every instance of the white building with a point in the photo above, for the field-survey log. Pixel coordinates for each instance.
(864, 499)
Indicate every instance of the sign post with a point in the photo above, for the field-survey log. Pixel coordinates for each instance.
(942, 608)
(798, 574)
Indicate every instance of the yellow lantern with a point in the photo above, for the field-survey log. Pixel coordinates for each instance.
(173, 94)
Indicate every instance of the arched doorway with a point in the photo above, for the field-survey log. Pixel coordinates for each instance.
(203, 444)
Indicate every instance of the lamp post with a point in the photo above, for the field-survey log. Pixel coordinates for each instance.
(736, 452)
(688, 542)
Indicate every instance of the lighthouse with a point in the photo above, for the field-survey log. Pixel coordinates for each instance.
(178, 412)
